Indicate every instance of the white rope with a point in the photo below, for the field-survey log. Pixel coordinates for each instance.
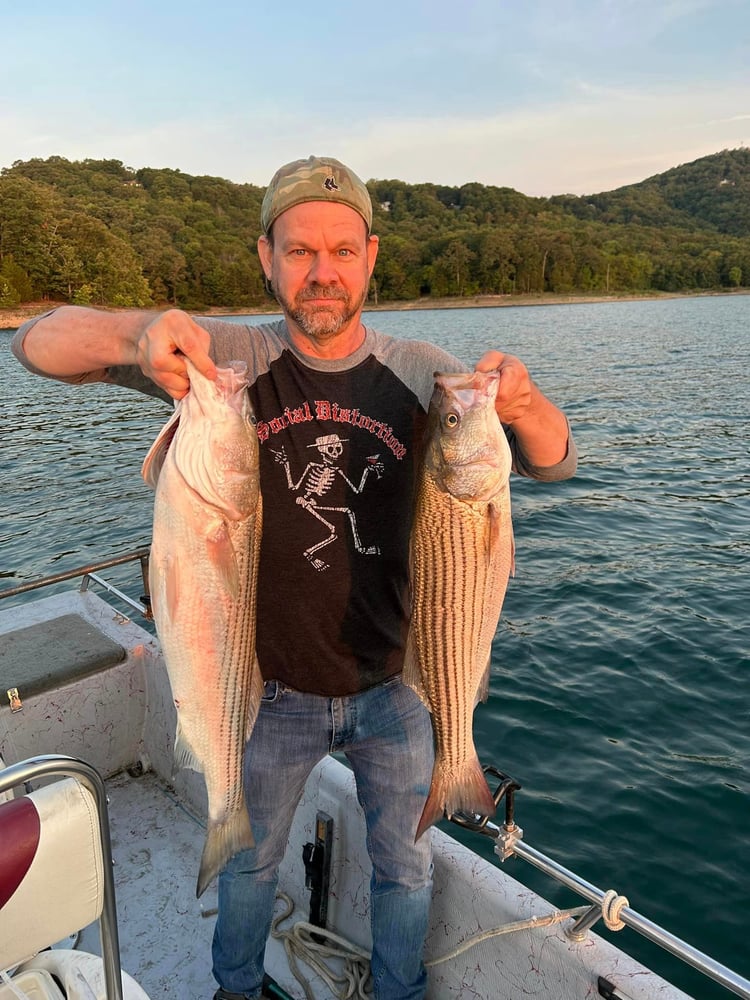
(517, 925)
(351, 983)
(612, 907)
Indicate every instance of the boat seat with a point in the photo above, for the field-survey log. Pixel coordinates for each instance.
(55, 879)
(34, 659)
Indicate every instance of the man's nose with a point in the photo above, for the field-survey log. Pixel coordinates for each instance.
(323, 270)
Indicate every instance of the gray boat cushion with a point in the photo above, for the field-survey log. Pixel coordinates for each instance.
(54, 652)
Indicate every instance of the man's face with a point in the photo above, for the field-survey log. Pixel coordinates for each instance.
(320, 264)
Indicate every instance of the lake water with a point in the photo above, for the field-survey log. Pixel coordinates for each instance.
(619, 694)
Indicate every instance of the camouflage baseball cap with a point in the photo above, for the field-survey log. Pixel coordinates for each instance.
(318, 178)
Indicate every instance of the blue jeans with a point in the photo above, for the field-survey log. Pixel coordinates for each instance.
(386, 734)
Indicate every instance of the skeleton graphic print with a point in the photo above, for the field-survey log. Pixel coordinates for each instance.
(316, 483)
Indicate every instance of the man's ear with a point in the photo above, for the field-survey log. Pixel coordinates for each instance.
(265, 252)
(372, 252)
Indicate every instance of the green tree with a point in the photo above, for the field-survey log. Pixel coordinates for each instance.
(453, 263)
(17, 278)
(8, 295)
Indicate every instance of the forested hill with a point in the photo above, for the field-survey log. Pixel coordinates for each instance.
(99, 232)
(713, 192)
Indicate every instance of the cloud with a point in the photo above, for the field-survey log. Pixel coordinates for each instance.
(725, 121)
(598, 139)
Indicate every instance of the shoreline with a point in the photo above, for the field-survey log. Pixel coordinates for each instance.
(11, 319)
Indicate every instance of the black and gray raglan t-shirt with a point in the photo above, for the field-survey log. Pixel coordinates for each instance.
(338, 452)
(339, 448)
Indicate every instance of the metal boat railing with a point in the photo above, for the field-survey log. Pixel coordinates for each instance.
(90, 573)
(509, 843)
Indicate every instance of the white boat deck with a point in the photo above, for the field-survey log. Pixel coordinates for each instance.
(165, 933)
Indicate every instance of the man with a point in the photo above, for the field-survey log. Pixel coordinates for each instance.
(341, 410)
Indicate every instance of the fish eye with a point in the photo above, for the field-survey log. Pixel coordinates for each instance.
(451, 420)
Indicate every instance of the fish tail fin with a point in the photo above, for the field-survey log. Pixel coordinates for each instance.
(464, 791)
(223, 840)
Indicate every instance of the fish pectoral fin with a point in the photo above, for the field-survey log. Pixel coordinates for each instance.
(495, 513)
(184, 754)
(171, 591)
(220, 551)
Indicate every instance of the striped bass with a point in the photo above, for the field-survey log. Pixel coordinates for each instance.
(203, 577)
(461, 558)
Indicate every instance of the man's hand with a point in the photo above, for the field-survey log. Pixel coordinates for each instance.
(540, 428)
(162, 347)
(515, 388)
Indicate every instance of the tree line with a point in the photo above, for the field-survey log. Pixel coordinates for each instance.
(98, 232)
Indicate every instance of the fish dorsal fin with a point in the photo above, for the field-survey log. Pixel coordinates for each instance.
(411, 675)
(154, 460)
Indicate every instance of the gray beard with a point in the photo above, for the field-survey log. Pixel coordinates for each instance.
(320, 322)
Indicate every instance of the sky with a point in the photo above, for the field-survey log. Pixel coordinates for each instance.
(544, 96)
